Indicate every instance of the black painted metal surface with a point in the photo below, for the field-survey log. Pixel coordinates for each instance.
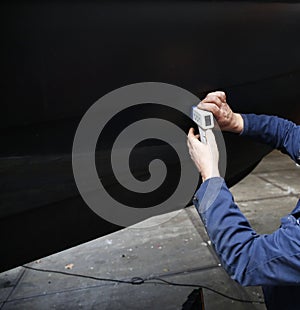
(58, 58)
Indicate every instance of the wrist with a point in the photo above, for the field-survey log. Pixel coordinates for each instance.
(211, 174)
(238, 123)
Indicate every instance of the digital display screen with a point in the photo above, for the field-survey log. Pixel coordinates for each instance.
(207, 120)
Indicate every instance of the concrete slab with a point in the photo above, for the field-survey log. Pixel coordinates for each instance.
(146, 296)
(253, 187)
(174, 247)
(258, 198)
(175, 250)
(265, 215)
(8, 281)
(275, 161)
(4, 292)
(287, 180)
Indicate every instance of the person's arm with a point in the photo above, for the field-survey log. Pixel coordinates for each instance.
(249, 258)
(277, 132)
(281, 134)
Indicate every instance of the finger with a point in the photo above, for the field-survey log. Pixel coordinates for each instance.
(188, 143)
(213, 98)
(191, 133)
(192, 138)
(221, 95)
(190, 148)
(218, 93)
(209, 106)
(189, 137)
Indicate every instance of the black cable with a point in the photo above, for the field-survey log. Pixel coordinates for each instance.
(149, 280)
(209, 289)
(82, 275)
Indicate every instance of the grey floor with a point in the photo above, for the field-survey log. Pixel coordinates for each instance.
(173, 247)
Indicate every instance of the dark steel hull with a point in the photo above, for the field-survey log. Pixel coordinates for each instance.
(57, 59)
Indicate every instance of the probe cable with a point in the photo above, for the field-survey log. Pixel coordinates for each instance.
(148, 280)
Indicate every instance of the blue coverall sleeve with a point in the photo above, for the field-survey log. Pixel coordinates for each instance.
(279, 133)
(249, 258)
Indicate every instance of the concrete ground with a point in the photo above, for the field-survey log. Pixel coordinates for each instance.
(173, 247)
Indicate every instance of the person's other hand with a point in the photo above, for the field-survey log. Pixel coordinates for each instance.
(215, 102)
(205, 156)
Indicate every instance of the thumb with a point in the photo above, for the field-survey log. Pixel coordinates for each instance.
(191, 134)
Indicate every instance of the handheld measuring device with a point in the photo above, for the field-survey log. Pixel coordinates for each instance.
(204, 120)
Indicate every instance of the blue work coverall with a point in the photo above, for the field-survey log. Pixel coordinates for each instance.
(272, 261)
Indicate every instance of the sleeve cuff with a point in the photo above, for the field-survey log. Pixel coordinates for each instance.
(206, 195)
(246, 125)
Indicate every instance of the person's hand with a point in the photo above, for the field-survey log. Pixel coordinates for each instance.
(215, 102)
(205, 156)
